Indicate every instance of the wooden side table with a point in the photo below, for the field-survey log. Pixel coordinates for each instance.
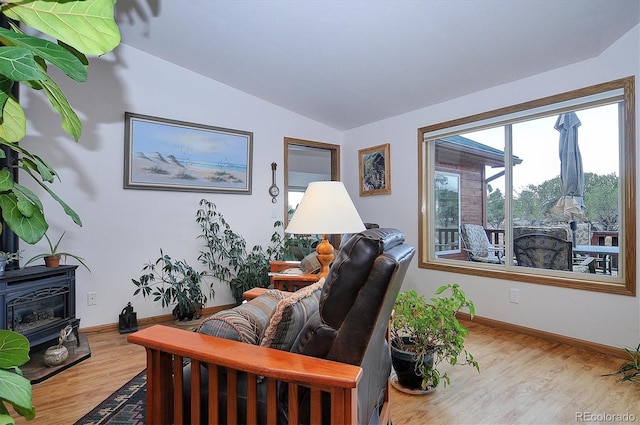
(292, 282)
(281, 281)
(289, 282)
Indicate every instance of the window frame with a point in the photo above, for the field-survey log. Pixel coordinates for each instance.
(627, 180)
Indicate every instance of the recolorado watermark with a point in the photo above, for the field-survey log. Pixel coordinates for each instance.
(605, 417)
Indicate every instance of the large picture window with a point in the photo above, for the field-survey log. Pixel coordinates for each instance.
(542, 192)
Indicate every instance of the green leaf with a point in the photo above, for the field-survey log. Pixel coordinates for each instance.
(86, 25)
(24, 191)
(6, 180)
(38, 167)
(31, 161)
(18, 64)
(14, 349)
(58, 55)
(67, 209)
(16, 390)
(13, 126)
(29, 229)
(70, 121)
(25, 207)
(5, 89)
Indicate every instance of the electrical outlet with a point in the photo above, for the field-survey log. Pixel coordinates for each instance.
(514, 296)
(91, 298)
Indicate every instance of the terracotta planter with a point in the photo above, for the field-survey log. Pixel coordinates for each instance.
(52, 261)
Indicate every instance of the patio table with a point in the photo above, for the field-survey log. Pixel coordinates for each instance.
(606, 251)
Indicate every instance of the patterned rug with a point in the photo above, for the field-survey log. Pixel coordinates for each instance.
(125, 406)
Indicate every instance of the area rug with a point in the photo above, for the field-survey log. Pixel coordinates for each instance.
(125, 406)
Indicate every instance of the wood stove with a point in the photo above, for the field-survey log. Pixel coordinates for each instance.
(38, 302)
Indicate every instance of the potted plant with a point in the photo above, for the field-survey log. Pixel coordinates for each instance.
(226, 253)
(174, 282)
(52, 257)
(425, 334)
(629, 371)
(8, 258)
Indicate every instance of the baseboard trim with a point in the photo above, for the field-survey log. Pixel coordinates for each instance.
(148, 321)
(548, 336)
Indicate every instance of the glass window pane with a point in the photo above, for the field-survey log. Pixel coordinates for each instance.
(551, 195)
(447, 209)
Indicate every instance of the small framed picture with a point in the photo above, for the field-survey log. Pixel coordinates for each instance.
(166, 154)
(375, 170)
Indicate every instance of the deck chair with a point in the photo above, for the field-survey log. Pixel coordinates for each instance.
(477, 245)
(544, 251)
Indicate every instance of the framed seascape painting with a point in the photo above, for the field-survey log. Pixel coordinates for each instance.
(165, 154)
(375, 170)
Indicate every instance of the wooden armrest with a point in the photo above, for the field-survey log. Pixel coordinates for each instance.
(272, 363)
(253, 293)
(168, 347)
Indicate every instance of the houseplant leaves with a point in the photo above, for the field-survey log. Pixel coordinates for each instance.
(14, 388)
(81, 27)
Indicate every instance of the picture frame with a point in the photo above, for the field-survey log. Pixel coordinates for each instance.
(375, 170)
(166, 154)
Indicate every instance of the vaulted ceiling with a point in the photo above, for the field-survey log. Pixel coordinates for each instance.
(348, 63)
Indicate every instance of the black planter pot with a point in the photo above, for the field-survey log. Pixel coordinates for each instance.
(404, 363)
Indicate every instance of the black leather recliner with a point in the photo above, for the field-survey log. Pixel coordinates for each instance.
(350, 325)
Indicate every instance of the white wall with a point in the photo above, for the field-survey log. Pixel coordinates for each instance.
(602, 318)
(123, 229)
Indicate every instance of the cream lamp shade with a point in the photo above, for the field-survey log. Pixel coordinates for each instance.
(325, 209)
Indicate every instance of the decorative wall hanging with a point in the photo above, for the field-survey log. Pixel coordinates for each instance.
(165, 154)
(274, 191)
(375, 170)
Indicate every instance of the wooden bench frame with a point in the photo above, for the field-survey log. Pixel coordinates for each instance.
(168, 347)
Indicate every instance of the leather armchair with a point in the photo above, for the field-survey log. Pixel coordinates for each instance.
(348, 330)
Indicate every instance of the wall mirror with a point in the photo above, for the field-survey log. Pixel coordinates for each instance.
(306, 161)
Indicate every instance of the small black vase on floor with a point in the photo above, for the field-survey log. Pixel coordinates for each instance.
(404, 364)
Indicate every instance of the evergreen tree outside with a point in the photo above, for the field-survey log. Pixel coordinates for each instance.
(495, 208)
(532, 203)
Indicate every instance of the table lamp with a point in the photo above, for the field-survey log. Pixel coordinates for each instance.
(325, 208)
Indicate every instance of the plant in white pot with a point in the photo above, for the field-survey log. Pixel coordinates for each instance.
(425, 333)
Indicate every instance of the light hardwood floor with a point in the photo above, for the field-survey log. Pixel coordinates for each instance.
(522, 380)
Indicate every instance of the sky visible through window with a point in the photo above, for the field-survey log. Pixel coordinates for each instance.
(535, 142)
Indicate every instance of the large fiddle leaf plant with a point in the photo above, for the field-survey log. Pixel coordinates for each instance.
(15, 389)
(71, 30)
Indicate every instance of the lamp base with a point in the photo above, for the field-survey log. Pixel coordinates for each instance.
(325, 256)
